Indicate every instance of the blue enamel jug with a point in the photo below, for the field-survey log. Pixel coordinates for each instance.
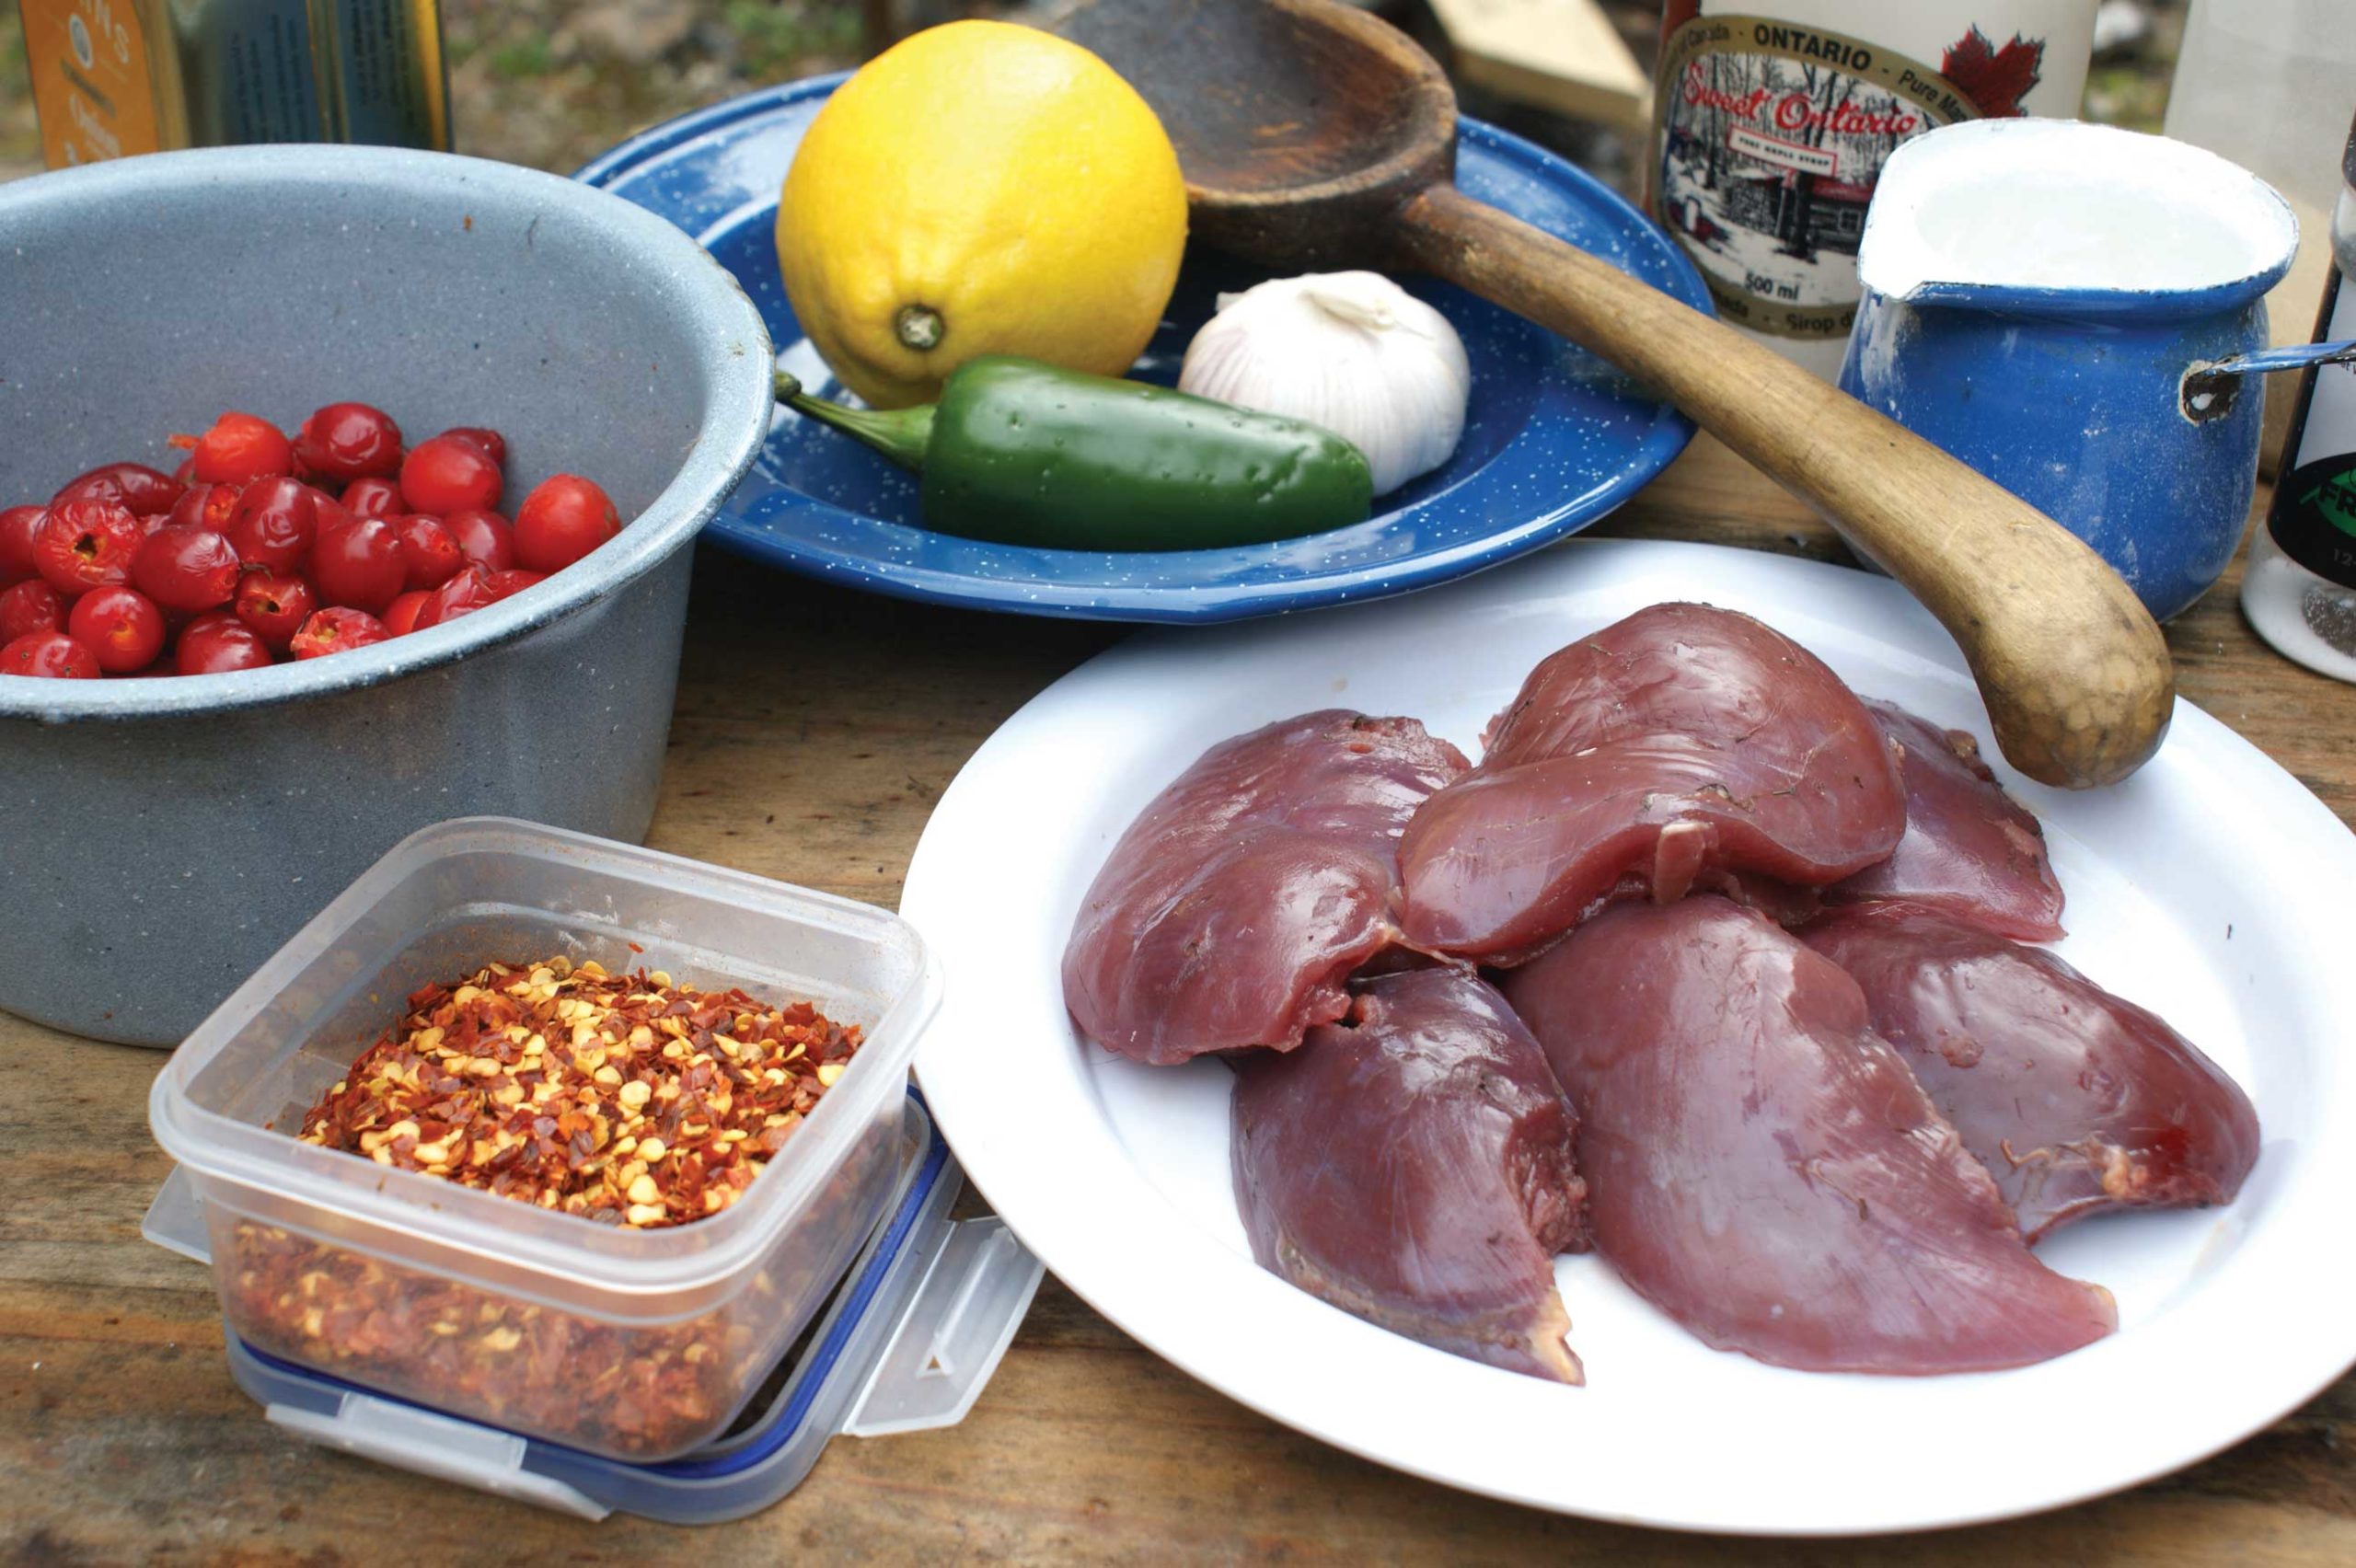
(2079, 312)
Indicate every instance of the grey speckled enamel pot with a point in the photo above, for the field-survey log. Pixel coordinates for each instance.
(160, 838)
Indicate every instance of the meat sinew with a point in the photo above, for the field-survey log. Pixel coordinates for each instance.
(1414, 1168)
(1680, 748)
(1971, 849)
(1763, 1168)
(1237, 905)
(2074, 1099)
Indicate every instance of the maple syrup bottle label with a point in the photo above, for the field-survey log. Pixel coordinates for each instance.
(2313, 513)
(1770, 131)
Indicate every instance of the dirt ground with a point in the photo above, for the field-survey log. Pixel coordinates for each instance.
(550, 83)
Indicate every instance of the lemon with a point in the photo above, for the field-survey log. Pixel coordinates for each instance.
(980, 189)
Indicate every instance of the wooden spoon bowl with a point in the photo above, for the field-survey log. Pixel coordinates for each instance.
(1300, 134)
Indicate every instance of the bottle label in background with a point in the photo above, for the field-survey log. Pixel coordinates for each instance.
(384, 73)
(115, 78)
(249, 73)
(91, 84)
(1769, 137)
(2314, 513)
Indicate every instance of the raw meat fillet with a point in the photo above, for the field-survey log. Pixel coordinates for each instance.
(1239, 902)
(1969, 849)
(2074, 1099)
(1669, 751)
(1415, 1170)
(1762, 1168)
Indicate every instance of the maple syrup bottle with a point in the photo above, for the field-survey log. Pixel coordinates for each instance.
(1772, 119)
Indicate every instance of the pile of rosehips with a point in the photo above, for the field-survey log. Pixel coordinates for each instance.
(261, 548)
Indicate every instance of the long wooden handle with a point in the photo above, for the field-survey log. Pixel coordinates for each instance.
(2073, 670)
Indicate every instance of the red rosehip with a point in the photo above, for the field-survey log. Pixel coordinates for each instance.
(358, 564)
(469, 591)
(373, 498)
(186, 570)
(92, 486)
(137, 488)
(336, 630)
(494, 445)
(239, 448)
(563, 519)
(29, 607)
(273, 525)
(485, 538)
(450, 473)
(149, 492)
(350, 440)
(120, 626)
(508, 583)
(20, 529)
(88, 543)
(272, 606)
(217, 641)
(205, 506)
(430, 553)
(332, 513)
(401, 616)
(52, 653)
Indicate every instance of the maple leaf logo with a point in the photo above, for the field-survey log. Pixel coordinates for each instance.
(1995, 79)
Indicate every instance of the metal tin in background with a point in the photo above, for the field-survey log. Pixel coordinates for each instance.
(115, 77)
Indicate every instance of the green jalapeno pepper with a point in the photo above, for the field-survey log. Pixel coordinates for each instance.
(1021, 453)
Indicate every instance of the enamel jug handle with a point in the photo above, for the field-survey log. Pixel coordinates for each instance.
(2210, 389)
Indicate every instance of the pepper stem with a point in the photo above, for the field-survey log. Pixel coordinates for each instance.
(900, 435)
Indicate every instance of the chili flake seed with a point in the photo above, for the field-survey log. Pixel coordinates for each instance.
(543, 1082)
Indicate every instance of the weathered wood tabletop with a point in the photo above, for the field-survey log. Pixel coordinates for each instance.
(816, 728)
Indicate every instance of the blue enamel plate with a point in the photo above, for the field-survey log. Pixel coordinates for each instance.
(1555, 437)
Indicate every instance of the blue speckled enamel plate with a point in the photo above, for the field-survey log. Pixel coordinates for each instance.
(1554, 440)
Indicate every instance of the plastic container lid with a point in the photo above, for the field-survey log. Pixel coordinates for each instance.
(909, 1342)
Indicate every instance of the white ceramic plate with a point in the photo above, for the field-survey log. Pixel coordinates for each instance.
(2211, 887)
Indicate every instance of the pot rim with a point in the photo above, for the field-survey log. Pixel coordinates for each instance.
(2094, 304)
(2270, 235)
(735, 373)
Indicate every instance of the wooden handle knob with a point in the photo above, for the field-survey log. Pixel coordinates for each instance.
(2073, 668)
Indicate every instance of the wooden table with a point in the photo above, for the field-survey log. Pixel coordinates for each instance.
(814, 757)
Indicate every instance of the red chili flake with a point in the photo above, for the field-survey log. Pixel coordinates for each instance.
(625, 1100)
(547, 1082)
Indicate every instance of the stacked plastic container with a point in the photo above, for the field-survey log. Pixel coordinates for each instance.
(853, 1208)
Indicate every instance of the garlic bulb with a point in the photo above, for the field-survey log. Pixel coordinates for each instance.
(1351, 352)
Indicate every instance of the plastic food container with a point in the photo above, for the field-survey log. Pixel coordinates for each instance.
(636, 1345)
(908, 1344)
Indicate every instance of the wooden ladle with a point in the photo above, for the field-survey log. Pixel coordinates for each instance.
(1313, 135)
